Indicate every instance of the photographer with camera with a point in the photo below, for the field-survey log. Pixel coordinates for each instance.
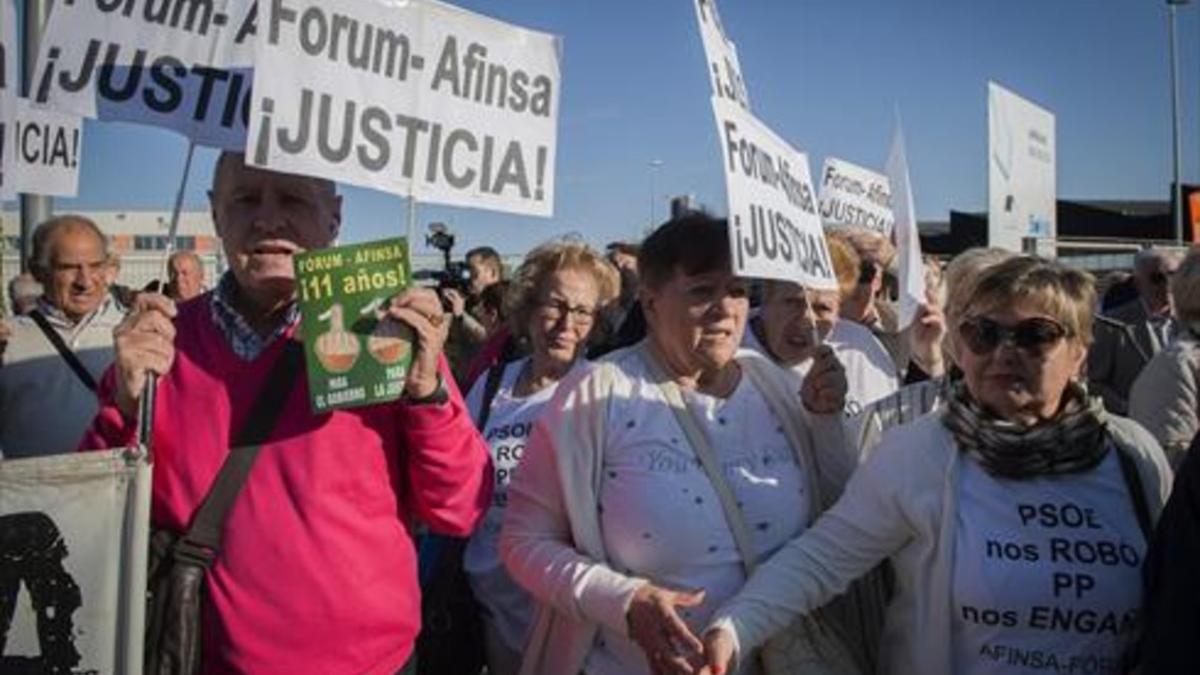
(461, 288)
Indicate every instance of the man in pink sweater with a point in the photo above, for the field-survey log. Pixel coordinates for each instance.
(317, 572)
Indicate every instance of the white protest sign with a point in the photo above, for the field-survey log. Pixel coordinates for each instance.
(905, 233)
(724, 69)
(9, 88)
(184, 65)
(46, 150)
(74, 534)
(853, 195)
(1022, 193)
(415, 98)
(774, 229)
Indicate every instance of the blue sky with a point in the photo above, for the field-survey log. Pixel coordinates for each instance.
(826, 74)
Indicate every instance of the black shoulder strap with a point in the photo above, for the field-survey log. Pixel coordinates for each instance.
(209, 522)
(490, 386)
(69, 356)
(1137, 492)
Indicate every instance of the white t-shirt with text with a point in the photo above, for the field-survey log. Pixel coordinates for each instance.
(1047, 574)
(508, 606)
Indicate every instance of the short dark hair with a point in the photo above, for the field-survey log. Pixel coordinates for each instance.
(492, 298)
(625, 247)
(488, 255)
(694, 243)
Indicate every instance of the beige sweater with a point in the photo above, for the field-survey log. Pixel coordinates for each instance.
(551, 541)
(1164, 398)
(901, 505)
(44, 408)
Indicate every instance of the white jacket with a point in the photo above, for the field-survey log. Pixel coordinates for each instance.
(551, 541)
(901, 505)
(1163, 398)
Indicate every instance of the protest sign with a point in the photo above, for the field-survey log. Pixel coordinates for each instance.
(418, 99)
(853, 195)
(355, 357)
(46, 151)
(774, 228)
(9, 88)
(1022, 193)
(73, 543)
(905, 233)
(184, 65)
(724, 68)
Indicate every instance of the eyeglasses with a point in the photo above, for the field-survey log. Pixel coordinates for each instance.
(554, 310)
(1033, 336)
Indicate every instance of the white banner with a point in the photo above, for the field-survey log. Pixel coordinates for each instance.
(724, 69)
(853, 195)
(184, 65)
(47, 148)
(415, 98)
(774, 229)
(1022, 193)
(905, 234)
(10, 85)
(74, 531)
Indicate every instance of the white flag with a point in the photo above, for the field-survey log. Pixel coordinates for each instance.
(907, 238)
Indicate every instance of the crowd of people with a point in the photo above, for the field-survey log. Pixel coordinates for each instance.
(657, 466)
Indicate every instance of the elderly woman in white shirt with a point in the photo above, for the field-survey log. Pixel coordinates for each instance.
(794, 320)
(554, 303)
(614, 522)
(1015, 520)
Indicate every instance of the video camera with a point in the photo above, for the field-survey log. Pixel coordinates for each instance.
(454, 274)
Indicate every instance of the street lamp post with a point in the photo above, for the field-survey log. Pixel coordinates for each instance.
(655, 165)
(1177, 148)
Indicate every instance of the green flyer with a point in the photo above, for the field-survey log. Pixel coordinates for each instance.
(356, 356)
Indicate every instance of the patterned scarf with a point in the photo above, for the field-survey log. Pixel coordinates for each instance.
(1076, 440)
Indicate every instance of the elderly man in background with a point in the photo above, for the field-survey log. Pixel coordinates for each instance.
(185, 276)
(317, 571)
(1130, 335)
(23, 293)
(57, 352)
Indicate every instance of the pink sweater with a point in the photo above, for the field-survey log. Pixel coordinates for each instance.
(317, 573)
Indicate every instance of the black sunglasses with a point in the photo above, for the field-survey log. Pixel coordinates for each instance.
(1034, 336)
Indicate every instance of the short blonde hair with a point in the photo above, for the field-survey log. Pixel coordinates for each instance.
(964, 272)
(870, 245)
(1185, 287)
(846, 264)
(1065, 293)
(542, 262)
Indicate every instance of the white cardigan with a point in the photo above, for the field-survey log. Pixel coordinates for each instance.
(551, 541)
(901, 505)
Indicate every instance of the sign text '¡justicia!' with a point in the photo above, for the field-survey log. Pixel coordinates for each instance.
(463, 158)
(466, 73)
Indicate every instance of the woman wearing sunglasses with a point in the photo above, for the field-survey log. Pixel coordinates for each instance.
(1015, 520)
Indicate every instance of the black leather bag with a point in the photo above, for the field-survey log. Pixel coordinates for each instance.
(179, 564)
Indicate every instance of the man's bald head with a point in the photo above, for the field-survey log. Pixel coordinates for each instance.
(230, 163)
